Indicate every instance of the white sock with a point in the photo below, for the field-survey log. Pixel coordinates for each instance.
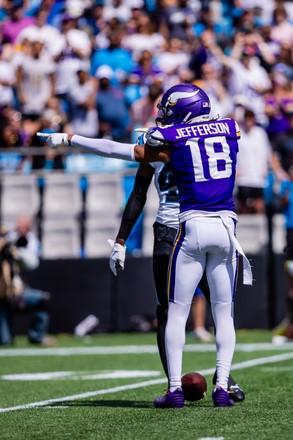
(225, 340)
(175, 340)
(172, 389)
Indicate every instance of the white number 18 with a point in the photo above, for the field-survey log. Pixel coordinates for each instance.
(213, 158)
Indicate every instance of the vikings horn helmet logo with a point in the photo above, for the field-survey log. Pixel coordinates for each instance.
(174, 97)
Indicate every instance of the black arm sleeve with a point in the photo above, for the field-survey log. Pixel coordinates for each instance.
(134, 206)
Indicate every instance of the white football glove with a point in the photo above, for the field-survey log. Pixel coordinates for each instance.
(55, 140)
(117, 257)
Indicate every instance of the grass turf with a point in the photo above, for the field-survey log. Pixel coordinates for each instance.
(266, 414)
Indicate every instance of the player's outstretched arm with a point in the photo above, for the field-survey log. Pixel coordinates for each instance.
(106, 147)
(101, 147)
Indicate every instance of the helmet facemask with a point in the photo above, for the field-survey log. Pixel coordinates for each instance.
(163, 114)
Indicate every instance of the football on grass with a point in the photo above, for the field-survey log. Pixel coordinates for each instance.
(194, 386)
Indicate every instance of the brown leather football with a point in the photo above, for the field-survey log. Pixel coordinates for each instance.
(194, 386)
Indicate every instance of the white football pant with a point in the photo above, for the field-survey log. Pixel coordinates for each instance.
(202, 243)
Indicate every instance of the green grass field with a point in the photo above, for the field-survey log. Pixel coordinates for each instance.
(102, 387)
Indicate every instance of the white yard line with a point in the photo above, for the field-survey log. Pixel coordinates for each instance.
(240, 365)
(211, 438)
(84, 395)
(133, 349)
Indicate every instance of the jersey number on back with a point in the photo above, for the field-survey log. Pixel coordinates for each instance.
(213, 160)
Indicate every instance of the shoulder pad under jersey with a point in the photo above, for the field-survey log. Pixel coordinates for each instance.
(154, 138)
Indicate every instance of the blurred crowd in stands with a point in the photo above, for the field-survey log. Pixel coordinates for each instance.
(98, 68)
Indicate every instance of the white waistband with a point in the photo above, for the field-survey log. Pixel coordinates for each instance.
(195, 213)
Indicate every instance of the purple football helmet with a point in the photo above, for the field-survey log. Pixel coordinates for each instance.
(182, 104)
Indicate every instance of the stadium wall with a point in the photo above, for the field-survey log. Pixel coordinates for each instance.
(87, 286)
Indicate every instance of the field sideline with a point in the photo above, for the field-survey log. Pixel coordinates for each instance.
(102, 387)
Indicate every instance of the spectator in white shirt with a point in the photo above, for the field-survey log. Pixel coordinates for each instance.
(254, 161)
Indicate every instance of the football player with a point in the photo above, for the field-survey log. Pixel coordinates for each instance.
(165, 230)
(201, 152)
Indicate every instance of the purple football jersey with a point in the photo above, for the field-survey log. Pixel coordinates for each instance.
(203, 160)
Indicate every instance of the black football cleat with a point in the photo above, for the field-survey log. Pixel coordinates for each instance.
(236, 393)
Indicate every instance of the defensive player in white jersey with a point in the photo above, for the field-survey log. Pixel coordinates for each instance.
(202, 155)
